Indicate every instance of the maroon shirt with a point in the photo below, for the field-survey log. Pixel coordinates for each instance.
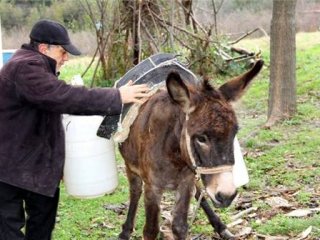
(32, 99)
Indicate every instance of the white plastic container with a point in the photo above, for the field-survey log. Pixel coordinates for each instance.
(90, 168)
(240, 172)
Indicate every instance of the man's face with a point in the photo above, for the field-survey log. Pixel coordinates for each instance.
(56, 52)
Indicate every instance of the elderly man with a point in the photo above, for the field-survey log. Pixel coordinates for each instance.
(32, 147)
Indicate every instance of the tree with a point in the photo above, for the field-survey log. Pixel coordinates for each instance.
(135, 29)
(282, 90)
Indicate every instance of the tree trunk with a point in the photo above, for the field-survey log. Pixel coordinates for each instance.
(282, 90)
(135, 32)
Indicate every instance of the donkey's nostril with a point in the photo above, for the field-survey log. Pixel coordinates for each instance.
(219, 197)
(224, 199)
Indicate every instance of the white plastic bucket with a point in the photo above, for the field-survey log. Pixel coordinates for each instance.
(90, 167)
(240, 172)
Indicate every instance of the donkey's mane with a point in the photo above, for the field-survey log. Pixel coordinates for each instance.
(206, 89)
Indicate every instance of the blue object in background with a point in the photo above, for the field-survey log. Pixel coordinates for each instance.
(7, 54)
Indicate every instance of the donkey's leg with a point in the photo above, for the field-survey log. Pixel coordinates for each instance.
(135, 184)
(214, 220)
(180, 213)
(152, 198)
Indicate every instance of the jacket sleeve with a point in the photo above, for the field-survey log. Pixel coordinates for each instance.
(37, 86)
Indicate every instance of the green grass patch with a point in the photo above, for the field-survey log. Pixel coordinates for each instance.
(285, 226)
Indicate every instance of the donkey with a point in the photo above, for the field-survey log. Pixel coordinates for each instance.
(181, 134)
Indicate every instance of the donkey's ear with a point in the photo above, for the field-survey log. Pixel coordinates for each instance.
(178, 91)
(233, 89)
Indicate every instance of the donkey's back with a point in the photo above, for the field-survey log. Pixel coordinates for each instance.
(152, 149)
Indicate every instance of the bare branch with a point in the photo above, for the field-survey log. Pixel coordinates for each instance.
(162, 22)
(195, 20)
(92, 60)
(243, 36)
(149, 35)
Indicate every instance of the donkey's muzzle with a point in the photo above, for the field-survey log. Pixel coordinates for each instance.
(222, 200)
(221, 189)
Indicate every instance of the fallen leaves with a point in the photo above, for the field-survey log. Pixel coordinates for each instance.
(302, 212)
(244, 212)
(281, 200)
(304, 234)
(120, 209)
(278, 202)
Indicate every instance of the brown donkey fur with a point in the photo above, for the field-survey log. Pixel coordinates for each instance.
(176, 131)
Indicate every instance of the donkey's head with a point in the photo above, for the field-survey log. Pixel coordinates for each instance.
(209, 130)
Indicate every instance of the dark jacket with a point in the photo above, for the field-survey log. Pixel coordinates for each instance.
(32, 99)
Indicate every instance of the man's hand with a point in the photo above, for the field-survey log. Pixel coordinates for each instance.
(133, 93)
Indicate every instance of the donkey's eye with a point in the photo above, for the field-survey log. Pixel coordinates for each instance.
(202, 138)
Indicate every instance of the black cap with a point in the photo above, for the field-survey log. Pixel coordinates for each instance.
(50, 32)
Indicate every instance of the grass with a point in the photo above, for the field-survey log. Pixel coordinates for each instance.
(77, 66)
(282, 161)
(282, 225)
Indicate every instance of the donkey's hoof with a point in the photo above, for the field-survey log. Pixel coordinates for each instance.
(123, 236)
(227, 235)
(120, 238)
